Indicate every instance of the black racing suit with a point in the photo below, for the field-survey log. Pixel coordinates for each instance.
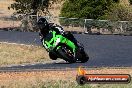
(58, 30)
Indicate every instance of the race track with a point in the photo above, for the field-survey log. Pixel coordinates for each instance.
(104, 50)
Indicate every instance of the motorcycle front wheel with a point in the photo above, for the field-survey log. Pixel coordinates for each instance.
(52, 56)
(66, 54)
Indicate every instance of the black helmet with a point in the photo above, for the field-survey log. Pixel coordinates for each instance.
(42, 23)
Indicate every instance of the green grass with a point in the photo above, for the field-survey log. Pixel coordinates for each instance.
(43, 84)
(60, 84)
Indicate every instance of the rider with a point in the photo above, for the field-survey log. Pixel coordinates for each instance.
(45, 27)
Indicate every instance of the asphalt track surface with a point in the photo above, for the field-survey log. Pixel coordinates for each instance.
(103, 50)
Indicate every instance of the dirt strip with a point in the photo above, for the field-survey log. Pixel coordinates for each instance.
(57, 75)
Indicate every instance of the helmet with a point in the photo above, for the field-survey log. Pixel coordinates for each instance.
(42, 23)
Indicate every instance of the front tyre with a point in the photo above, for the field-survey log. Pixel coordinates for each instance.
(66, 54)
(52, 56)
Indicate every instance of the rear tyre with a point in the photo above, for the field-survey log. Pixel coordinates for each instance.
(66, 55)
(84, 57)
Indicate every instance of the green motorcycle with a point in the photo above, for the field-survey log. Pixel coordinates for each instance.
(60, 46)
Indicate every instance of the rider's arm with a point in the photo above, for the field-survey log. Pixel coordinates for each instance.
(58, 29)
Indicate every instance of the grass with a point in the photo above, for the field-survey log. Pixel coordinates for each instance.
(60, 84)
(44, 84)
(44, 79)
(19, 54)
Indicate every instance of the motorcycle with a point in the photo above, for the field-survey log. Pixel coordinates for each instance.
(59, 46)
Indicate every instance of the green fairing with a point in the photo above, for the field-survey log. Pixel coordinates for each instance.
(51, 44)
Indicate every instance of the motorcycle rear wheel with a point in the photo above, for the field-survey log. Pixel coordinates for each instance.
(84, 59)
(83, 56)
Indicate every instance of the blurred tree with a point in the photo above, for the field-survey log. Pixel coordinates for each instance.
(91, 9)
(130, 2)
(116, 1)
(119, 12)
(31, 6)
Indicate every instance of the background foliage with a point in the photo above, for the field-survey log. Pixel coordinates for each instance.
(130, 1)
(110, 10)
(91, 9)
(31, 6)
(119, 12)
